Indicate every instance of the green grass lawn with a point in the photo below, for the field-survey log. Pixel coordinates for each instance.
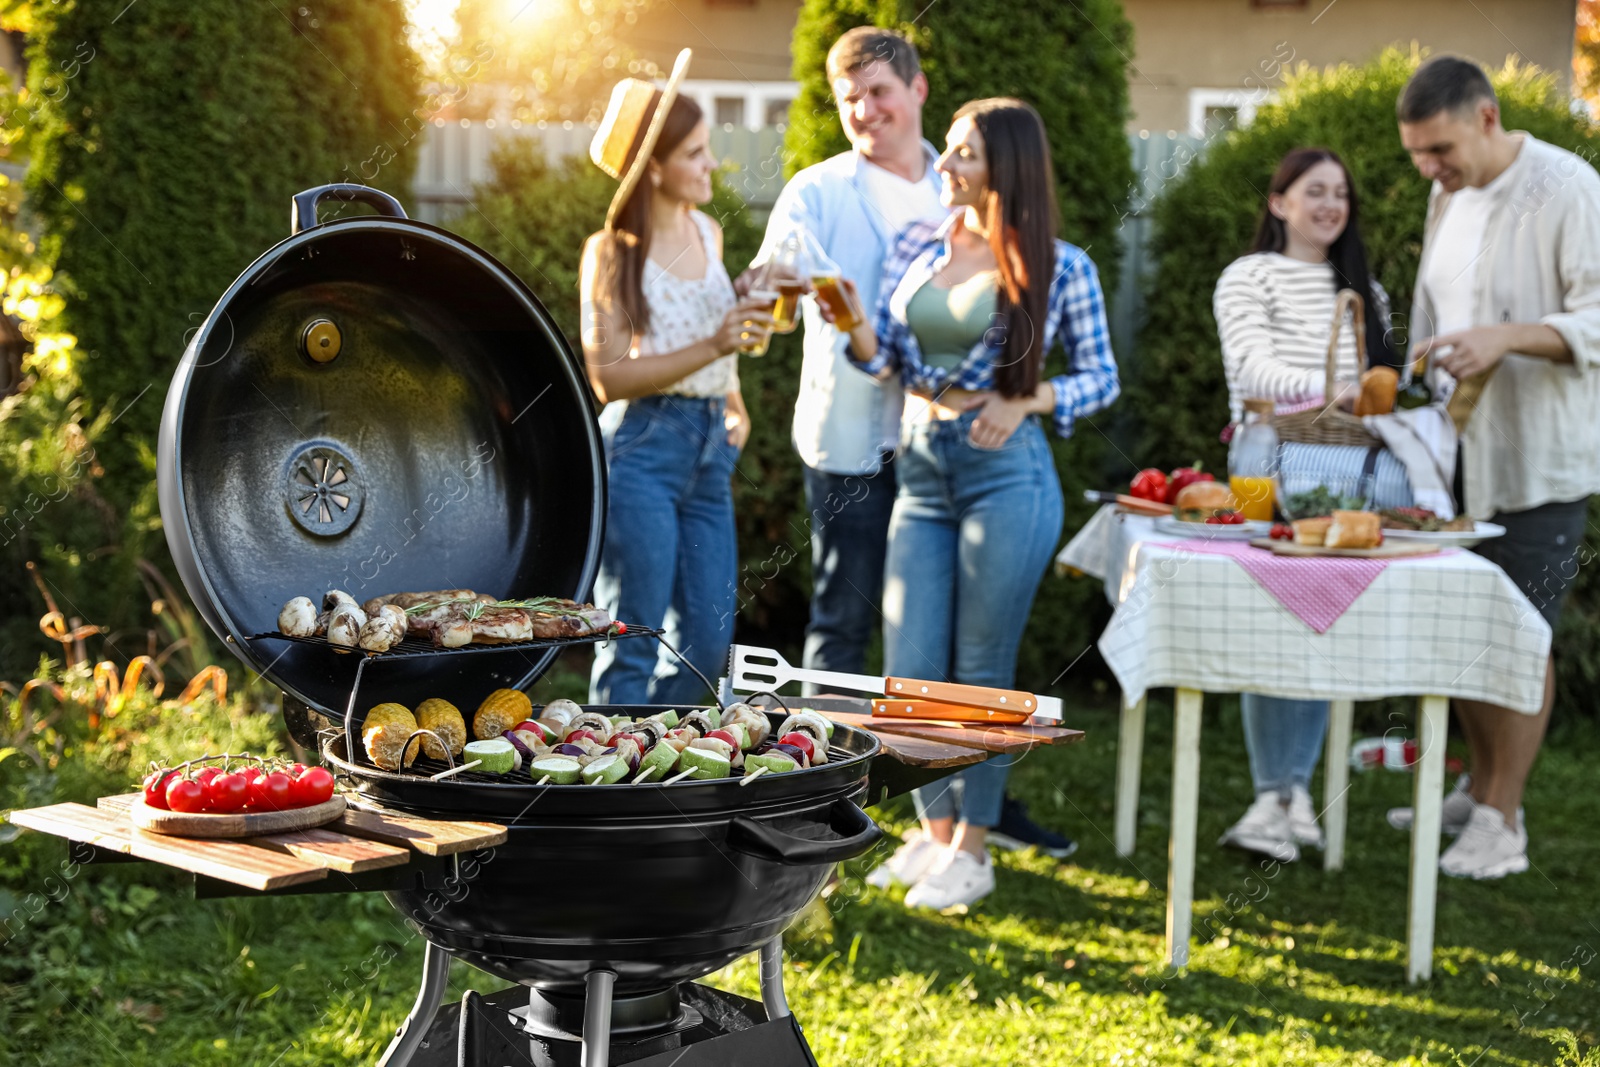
(1061, 965)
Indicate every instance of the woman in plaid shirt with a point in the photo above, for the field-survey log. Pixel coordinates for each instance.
(967, 313)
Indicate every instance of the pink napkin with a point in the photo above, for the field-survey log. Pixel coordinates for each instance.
(1316, 589)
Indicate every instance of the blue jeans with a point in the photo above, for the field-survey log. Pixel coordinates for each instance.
(670, 557)
(1284, 740)
(972, 532)
(848, 515)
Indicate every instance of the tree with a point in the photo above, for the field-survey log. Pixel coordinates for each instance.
(166, 138)
(1070, 61)
(1206, 215)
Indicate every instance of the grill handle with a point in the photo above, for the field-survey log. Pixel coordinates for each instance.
(304, 214)
(766, 842)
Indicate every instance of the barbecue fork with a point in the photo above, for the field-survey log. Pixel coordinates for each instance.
(754, 669)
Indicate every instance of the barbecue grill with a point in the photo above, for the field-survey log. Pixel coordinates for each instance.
(376, 405)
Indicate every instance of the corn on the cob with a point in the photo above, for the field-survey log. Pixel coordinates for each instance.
(500, 711)
(444, 719)
(384, 734)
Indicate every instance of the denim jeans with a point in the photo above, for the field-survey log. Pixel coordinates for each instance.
(1284, 740)
(670, 557)
(972, 532)
(848, 515)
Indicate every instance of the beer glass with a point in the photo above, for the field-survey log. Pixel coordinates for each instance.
(847, 311)
(754, 339)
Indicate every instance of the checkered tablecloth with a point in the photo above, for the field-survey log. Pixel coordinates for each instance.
(1446, 625)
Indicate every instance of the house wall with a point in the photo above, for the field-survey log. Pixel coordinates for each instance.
(1236, 45)
(1233, 47)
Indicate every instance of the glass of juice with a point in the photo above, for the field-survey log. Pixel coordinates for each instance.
(1253, 496)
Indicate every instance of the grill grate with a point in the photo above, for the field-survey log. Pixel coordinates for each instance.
(418, 647)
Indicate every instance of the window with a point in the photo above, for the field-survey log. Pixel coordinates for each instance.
(728, 110)
(777, 112)
(1213, 112)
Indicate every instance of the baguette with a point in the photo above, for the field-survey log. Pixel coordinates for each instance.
(1311, 531)
(1354, 529)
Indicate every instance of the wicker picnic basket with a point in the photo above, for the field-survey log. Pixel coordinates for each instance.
(1331, 424)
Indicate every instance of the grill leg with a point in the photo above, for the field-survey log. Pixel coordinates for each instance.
(597, 1019)
(772, 979)
(435, 977)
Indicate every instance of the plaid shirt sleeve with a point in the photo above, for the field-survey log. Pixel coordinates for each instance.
(1078, 309)
(916, 242)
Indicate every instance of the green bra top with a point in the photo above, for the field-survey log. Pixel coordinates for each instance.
(948, 322)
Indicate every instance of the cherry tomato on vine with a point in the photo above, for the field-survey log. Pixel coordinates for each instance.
(227, 792)
(296, 770)
(276, 792)
(313, 787)
(205, 774)
(155, 788)
(185, 795)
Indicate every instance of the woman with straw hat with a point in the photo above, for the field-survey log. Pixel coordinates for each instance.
(661, 326)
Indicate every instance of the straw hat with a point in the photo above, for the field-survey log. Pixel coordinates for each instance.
(634, 102)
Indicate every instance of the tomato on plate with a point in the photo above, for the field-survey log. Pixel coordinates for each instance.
(313, 787)
(185, 795)
(205, 774)
(227, 792)
(275, 792)
(155, 788)
(1149, 484)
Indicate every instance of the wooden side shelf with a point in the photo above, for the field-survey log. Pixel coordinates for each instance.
(360, 841)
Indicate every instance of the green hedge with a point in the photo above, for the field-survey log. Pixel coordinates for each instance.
(166, 137)
(1177, 400)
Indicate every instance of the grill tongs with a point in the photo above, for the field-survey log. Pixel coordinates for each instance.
(754, 670)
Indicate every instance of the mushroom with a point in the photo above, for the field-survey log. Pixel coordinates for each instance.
(298, 618)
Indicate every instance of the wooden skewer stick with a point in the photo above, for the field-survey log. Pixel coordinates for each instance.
(680, 776)
(753, 775)
(648, 771)
(456, 770)
(543, 780)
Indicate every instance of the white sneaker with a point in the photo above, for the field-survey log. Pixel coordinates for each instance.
(1265, 829)
(961, 879)
(1303, 818)
(909, 863)
(1454, 813)
(1487, 848)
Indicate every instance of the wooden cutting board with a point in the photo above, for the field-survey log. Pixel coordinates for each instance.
(1388, 550)
(240, 824)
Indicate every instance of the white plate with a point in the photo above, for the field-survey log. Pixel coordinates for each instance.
(1447, 538)
(1213, 530)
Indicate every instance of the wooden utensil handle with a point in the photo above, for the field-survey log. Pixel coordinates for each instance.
(933, 709)
(974, 696)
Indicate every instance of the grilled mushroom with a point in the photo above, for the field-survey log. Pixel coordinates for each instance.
(298, 618)
(383, 631)
(344, 629)
(754, 721)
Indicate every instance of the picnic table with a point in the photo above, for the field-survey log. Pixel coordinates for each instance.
(1207, 616)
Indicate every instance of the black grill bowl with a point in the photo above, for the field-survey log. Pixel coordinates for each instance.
(660, 884)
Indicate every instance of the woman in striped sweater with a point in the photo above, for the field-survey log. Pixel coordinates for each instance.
(1274, 308)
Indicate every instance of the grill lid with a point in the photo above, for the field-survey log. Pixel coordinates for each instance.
(376, 405)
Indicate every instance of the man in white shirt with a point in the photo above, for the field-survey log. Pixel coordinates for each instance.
(846, 423)
(1508, 307)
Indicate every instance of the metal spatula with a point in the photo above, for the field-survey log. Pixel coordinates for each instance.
(754, 669)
